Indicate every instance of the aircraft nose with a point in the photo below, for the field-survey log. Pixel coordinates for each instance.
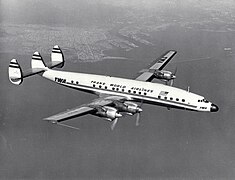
(214, 108)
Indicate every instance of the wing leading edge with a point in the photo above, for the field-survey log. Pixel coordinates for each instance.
(158, 64)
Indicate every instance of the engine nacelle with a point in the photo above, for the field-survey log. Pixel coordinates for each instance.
(164, 75)
(108, 112)
(128, 107)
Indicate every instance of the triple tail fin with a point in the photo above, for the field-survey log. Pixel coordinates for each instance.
(16, 75)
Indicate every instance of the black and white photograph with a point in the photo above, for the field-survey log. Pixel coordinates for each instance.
(117, 90)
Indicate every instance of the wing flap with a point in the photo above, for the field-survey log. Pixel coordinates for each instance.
(146, 76)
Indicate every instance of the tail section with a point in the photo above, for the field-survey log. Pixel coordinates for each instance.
(16, 75)
(57, 58)
(15, 72)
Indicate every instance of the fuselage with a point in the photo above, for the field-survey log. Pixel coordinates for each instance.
(134, 90)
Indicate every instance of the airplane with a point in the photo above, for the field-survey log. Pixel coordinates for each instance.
(116, 96)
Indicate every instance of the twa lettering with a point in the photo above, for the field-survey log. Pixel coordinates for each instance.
(60, 80)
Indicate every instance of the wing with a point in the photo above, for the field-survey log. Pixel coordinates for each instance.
(158, 64)
(84, 109)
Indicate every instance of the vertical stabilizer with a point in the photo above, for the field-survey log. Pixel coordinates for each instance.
(57, 57)
(37, 61)
(15, 72)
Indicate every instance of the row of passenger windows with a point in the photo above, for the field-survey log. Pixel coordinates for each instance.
(123, 90)
(129, 91)
(143, 93)
(171, 98)
(73, 82)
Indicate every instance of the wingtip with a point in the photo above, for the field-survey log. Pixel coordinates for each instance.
(50, 120)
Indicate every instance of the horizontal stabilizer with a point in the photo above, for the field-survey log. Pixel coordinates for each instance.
(15, 72)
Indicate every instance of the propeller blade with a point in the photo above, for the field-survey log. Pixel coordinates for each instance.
(173, 77)
(68, 126)
(114, 123)
(175, 71)
(137, 122)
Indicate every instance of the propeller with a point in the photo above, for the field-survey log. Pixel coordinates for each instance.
(173, 76)
(138, 114)
(114, 123)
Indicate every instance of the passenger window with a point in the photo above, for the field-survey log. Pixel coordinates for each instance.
(165, 98)
(72, 81)
(183, 100)
(177, 99)
(171, 98)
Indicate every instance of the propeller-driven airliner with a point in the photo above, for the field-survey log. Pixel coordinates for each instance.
(116, 96)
